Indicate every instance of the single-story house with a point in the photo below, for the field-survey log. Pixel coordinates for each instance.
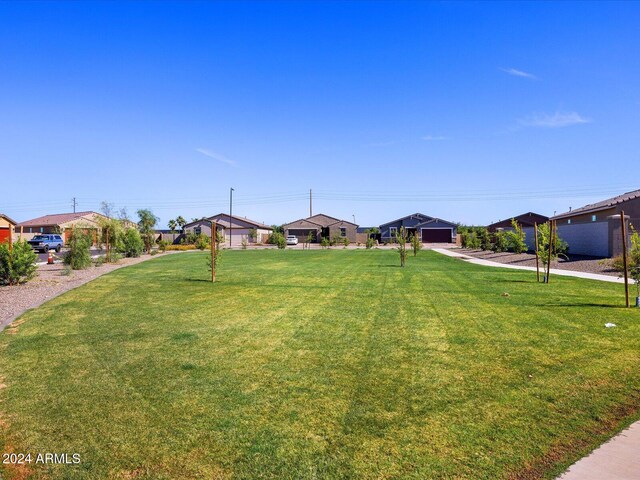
(528, 219)
(431, 229)
(235, 229)
(61, 223)
(596, 229)
(7, 226)
(321, 226)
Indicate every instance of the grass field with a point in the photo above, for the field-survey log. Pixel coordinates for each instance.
(319, 364)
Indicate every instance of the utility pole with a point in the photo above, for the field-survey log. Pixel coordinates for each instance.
(310, 203)
(230, 214)
(73, 200)
(354, 218)
(624, 258)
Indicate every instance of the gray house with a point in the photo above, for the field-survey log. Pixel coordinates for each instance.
(320, 226)
(430, 229)
(595, 229)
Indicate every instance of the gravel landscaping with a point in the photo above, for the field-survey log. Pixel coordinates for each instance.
(51, 282)
(577, 263)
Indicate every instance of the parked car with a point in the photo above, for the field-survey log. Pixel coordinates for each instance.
(292, 240)
(44, 243)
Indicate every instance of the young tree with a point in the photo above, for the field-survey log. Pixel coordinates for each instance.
(559, 247)
(634, 261)
(516, 239)
(416, 243)
(308, 240)
(78, 256)
(146, 226)
(401, 238)
(111, 237)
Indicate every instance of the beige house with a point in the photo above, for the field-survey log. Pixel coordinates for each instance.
(7, 226)
(235, 229)
(61, 223)
(321, 226)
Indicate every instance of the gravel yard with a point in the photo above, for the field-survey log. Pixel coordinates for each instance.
(49, 283)
(576, 263)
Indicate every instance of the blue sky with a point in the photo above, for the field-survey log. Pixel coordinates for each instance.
(471, 112)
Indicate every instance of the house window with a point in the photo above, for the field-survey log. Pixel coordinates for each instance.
(393, 231)
(593, 218)
(343, 232)
(569, 222)
(197, 230)
(41, 229)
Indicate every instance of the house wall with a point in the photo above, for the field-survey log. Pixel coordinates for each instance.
(590, 238)
(351, 230)
(411, 222)
(238, 233)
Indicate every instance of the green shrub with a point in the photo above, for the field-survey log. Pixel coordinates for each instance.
(499, 243)
(345, 241)
(98, 262)
(516, 239)
(132, 244)
(202, 242)
(324, 242)
(18, 264)
(78, 256)
(163, 244)
(484, 238)
(370, 243)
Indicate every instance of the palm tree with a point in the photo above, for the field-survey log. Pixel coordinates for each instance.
(182, 222)
(172, 224)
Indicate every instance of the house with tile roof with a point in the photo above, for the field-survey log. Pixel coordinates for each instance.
(61, 223)
(321, 226)
(234, 228)
(595, 229)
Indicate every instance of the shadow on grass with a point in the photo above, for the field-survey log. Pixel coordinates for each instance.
(590, 305)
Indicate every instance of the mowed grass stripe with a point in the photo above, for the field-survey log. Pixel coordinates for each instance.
(320, 364)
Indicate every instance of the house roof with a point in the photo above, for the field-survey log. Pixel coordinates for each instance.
(436, 220)
(320, 220)
(326, 220)
(8, 219)
(603, 205)
(420, 216)
(56, 219)
(223, 220)
(526, 219)
(303, 224)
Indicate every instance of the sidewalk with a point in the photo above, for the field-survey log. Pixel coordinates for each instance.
(617, 459)
(554, 271)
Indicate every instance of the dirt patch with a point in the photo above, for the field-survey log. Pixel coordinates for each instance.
(576, 263)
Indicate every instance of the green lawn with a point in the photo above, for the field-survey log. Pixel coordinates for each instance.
(319, 364)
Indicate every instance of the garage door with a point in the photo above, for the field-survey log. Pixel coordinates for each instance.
(436, 235)
(4, 235)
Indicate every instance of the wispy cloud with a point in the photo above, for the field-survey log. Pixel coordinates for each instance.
(519, 73)
(216, 156)
(435, 138)
(556, 120)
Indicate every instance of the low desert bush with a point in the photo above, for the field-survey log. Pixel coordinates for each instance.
(18, 264)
